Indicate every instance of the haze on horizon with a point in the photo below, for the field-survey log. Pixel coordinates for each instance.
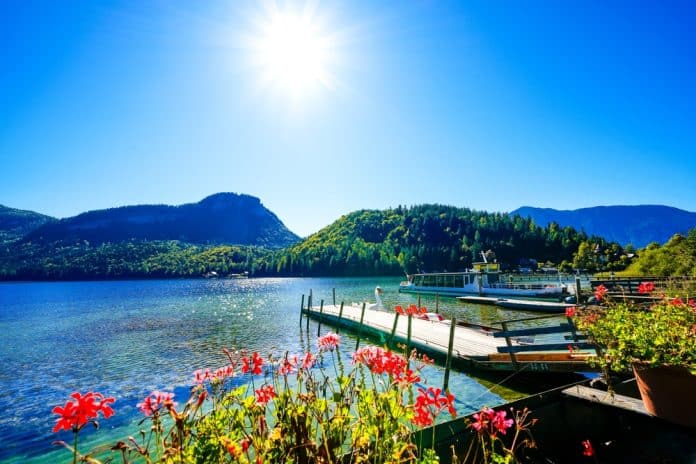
(320, 108)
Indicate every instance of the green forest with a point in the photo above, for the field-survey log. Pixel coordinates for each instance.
(366, 242)
(677, 257)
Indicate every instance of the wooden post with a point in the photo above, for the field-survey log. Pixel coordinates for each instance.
(309, 308)
(408, 336)
(334, 296)
(450, 347)
(340, 315)
(301, 309)
(437, 303)
(419, 301)
(393, 332)
(577, 290)
(321, 314)
(362, 317)
(513, 358)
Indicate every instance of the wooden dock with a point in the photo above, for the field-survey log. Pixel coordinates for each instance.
(503, 349)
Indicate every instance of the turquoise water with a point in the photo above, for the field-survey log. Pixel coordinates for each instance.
(127, 338)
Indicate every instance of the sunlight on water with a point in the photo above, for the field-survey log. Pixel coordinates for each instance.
(127, 338)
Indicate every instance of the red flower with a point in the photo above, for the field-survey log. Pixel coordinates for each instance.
(154, 402)
(308, 360)
(646, 287)
(482, 419)
(265, 394)
(430, 403)
(288, 365)
(328, 342)
(258, 363)
(600, 292)
(588, 450)
(232, 449)
(256, 360)
(399, 310)
(82, 409)
(200, 376)
(571, 311)
(500, 423)
(676, 302)
(381, 361)
(245, 444)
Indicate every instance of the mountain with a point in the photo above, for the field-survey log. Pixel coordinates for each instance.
(223, 218)
(638, 225)
(362, 243)
(430, 238)
(15, 223)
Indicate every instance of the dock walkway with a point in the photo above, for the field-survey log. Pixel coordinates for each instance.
(473, 345)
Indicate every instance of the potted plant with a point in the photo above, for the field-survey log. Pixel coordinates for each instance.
(658, 342)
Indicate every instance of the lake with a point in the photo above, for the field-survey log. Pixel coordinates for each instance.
(127, 338)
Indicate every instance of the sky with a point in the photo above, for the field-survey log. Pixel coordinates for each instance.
(320, 108)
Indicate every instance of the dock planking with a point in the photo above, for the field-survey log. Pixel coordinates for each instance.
(472, 345)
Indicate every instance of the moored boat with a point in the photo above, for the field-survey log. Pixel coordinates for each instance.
(483, 280)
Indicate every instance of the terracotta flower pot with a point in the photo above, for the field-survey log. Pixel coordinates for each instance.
(668, 392)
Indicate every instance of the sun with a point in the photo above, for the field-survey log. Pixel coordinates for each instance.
(292, 52)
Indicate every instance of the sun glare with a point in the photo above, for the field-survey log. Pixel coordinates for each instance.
(293, 53)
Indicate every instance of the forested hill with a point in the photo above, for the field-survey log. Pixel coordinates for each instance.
(366, 242)
(223, 218)
(436, 238)
(637, 225)
(15, 223)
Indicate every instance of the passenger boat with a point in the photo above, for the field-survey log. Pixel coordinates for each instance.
(484, 280)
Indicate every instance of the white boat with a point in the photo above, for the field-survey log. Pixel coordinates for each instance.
(484, 280)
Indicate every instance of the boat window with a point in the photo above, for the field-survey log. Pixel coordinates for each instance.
(459, 281)
(429, 280)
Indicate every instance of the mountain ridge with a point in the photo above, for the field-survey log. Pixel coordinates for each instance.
(221, 218)
(15, 223)
(638, 225)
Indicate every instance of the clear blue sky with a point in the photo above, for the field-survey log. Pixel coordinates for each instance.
(487, 105)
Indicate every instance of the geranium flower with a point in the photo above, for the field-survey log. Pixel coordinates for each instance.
(571, 311)
(500, 423)
(429, 404)
(646, 287)
(288, 365)
(308, 360)
(257, 362)
(82, 409)
(265, 394)
(600, 292)
(328, 342)
(587, 450)
(154, 402)
(482, 419)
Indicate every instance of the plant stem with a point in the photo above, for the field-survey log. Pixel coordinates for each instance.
(75, 432)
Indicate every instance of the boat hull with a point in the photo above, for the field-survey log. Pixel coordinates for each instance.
(544, 292)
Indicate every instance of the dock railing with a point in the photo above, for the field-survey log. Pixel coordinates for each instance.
(522, 340)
